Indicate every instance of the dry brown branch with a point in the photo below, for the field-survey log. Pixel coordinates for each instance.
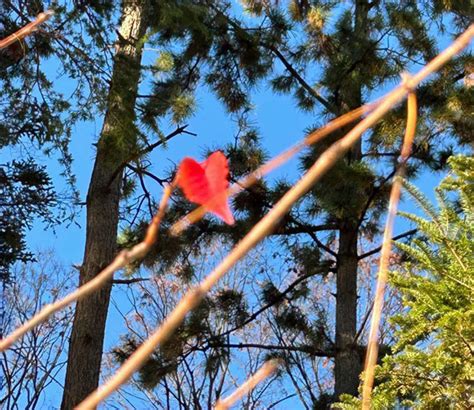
(27, 30)
(122, 259)
(372, 348)
(265, 371)
(192, 298)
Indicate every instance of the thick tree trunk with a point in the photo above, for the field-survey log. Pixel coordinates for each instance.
(347, 360)
(116, 140)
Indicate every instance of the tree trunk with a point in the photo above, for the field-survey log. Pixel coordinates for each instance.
(347, 360)
(117, 138)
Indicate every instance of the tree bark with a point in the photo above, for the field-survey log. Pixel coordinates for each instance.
(117, 138)
(347, 361)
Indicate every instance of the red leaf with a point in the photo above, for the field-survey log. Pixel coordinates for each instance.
(207, 180)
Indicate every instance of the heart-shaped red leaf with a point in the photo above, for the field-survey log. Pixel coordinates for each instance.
(206, 183)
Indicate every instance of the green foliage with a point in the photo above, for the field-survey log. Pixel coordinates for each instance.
(431, 365)
(224, 308)
(25, 194)
(38, 113)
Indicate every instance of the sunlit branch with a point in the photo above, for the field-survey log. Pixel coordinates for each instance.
(25, 31)
(372, 348)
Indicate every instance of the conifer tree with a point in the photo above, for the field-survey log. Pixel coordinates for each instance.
(346, 52)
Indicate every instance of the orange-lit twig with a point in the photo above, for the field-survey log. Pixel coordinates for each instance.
(27, 30)
(265, 371)
(193, 297)
(373, 347)
(120, 261)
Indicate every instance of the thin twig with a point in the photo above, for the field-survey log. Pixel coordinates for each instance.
(265, 371)
(121, 260)
(26, 30)
(373, 347)
(395, 238)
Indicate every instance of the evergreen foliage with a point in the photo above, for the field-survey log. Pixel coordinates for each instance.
(37, 114)
(431, 365)
(26, 193)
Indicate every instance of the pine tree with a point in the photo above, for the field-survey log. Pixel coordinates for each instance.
(361, 46)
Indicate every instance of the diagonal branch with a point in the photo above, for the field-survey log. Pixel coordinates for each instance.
(329, 107)
(26, 30)
(379, 248)
(265, 371)
(264, 308)
(148, 149)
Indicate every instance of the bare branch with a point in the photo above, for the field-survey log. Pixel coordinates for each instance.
(395, 238)
(148, 149)
(265, 371)
(301, 81)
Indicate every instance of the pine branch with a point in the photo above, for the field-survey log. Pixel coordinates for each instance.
(264, 308)
(329, 107)
(128, 281)
(299, 348)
